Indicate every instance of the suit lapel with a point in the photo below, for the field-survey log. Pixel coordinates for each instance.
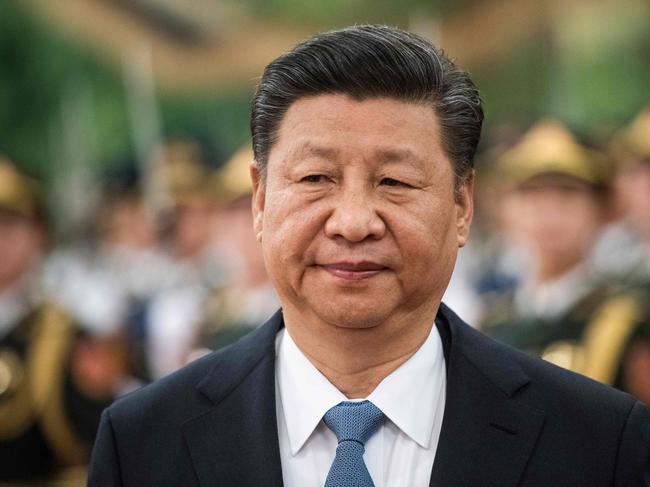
(487, 436)
(236, 441)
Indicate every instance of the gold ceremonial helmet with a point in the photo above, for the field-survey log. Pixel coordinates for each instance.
(232, 181)
(184, 171)
(630, 146)
(549, 149)
(19, 193)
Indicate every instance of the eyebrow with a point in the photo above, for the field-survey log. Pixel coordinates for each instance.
(386, 156)
(309, 149)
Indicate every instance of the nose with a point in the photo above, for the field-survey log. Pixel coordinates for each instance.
(355, 217)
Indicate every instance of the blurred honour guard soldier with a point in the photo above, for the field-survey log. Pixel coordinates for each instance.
(559, 190)
(53, 382)
(247, 297)
(624, 249)
(617, 342)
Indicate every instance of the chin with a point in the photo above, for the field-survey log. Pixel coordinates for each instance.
(351, 315)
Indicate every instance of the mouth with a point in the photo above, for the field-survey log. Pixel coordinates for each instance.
(354, 271)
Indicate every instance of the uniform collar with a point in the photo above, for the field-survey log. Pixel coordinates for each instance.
(16, 302)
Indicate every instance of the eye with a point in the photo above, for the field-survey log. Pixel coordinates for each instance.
(393, 182)
(313, 178)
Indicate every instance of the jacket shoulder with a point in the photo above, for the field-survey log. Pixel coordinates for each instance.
(196, 387)
(167, 396)
(539, 382)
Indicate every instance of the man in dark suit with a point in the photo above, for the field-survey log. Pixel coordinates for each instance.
(363, 142)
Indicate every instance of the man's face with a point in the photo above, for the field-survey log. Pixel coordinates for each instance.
(358, 218)
(558, 220)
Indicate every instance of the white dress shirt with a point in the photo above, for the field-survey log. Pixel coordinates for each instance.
(401, 453)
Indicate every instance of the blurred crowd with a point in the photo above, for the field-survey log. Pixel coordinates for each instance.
(558, 265)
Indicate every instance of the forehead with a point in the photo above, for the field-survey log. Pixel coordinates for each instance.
(327, 126)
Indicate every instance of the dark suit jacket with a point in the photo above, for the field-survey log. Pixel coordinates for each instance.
(509, 420)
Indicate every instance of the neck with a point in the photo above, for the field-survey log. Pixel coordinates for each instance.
(356, 360)
(549, 270)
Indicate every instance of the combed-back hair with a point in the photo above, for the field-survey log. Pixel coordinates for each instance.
(371, 61)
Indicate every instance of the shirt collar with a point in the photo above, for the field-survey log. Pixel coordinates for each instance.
(306, 394)
(408, 396)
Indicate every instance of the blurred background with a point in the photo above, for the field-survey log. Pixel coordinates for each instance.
(126, 246)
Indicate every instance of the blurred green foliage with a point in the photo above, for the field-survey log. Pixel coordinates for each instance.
(345, 12)
(39, 68)
(36, 66)
(591, 71)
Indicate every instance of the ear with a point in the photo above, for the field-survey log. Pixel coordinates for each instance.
(258, 200)
(464, 209)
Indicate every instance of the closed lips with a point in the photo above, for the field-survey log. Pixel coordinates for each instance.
(354, 271)
(363, 266)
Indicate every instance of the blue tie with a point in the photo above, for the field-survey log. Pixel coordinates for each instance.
(353, 423)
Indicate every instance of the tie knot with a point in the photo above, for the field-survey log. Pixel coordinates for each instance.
(355, 421)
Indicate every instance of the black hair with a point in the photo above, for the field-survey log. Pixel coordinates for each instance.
(371, 61)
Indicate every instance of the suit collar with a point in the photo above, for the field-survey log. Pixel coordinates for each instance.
(487, 355)
(487, 435)
(234, 363)
(236, 441)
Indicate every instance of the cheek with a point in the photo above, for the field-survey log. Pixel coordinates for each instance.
(16, 251)
(428, 239)
(639, 194)
(586, 223)
(429, 266)
(289, 228)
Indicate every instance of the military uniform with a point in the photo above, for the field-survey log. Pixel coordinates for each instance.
(46, 423)
(620, 323)
(42, 423)
(616, 344)
(552, 336)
